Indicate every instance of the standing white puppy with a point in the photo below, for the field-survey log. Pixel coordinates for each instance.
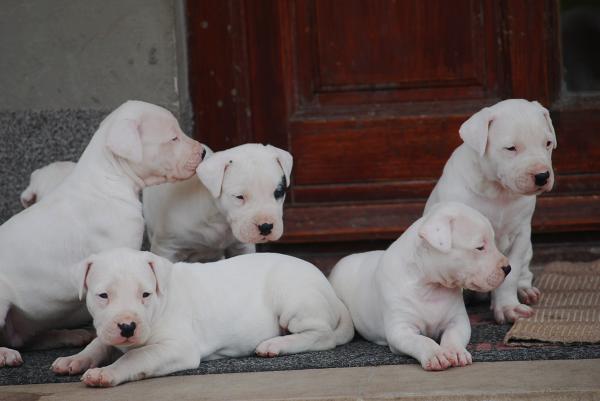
(95, 208)
(167, 317)
(44, 180)
(505, 161)
(412, 292)
(236, 202)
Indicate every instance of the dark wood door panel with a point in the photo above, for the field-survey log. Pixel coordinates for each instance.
(368, 95)
(365, 52)
(391, 47)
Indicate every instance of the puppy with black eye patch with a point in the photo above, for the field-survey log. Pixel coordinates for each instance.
(236, 201)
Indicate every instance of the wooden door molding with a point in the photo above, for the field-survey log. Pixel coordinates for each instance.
(371, 125)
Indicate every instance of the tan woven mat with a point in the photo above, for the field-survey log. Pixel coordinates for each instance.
(569, 308)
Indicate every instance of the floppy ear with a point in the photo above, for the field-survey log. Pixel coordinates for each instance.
(285, 160)
(546, 114)
(124, 140)
(211, 172)
(161, 268)
(474, 132)
(436, 229)
(80, 273)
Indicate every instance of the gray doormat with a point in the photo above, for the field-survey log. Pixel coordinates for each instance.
(486, 346)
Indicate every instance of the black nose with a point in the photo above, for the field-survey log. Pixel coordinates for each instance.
(542, 178)
(506, 269)
(265, 228)
(127, 329)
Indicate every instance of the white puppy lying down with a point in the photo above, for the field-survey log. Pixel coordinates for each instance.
(410, 293)
(95, 208)
(236, 202)
(503, 164)
(168, 317)
(44, 180)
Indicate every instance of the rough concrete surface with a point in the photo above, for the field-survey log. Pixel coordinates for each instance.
(540, 380)
(65, 54)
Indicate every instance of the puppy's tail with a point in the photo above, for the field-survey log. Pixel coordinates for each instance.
(344, 332)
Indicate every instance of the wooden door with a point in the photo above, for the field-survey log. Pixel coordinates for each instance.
(368, 95)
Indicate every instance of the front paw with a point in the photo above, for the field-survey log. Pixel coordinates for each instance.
(436, 360)
(71, 365)
(529, 295)
(99, 377)
(458, 356)
(10, 357)
(270, 348)
(510, 313)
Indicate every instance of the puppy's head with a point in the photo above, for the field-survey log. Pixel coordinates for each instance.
(459, 248)
(44, 180)
(148, 138)
(514, 139)
(249, 184)
(123, 290)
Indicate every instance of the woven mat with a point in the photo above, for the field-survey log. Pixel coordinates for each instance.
(569, 308)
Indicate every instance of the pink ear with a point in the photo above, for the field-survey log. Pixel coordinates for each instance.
(546, 114)
(161, 268)
(82, 269)
(212, 171)
(124, 140)
(436, 229)
(474, 131)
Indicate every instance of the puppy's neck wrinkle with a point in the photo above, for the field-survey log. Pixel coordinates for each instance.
(478, 179)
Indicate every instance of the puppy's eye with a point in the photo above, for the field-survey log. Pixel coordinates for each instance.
(481, 248)
(511, 148)
(146, 294)
(176, 138)
(240, 197)
(548, 144)
(103, 295)
(279, 193)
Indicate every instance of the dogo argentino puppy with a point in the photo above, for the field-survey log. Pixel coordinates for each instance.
(167, 317)
(412, 292)
(504, 162)
(44, 180)
(95, 208)
(236, 202)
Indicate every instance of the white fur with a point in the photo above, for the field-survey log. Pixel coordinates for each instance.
(268, 304)
(95, 208)
(410, 293)
(500, 184)
(201, 220)
(44, 180)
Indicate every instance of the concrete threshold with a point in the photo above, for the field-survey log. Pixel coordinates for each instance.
(528, 380)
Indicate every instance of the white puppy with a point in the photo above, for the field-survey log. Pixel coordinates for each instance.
(95, 208)
(44, 180)
(167, 317)
(410, 293)
(236, 202)
(503, 164)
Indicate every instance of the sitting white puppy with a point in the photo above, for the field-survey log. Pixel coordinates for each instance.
(412, 292)
(44, 180)
(95, 208)
(168, 317)
(504, 163)
(236, 202)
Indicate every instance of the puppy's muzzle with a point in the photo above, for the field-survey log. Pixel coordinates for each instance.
(127, 330)
(506, 269)
(541, 178)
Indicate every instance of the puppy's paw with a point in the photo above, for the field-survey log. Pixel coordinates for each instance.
(529, 295)
(458, 356)
(270, 348)
(510, 313)
(10, 357)
(435, 361)
(99, 377)
(71, 365)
